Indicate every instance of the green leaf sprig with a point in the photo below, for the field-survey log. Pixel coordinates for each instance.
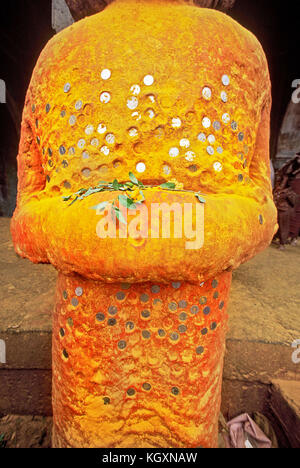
(126, 200)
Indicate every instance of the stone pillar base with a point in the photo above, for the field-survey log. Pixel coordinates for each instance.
(138, 365)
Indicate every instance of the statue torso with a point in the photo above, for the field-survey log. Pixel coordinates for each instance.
(165, 92)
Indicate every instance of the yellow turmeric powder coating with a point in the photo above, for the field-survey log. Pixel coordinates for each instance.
(181, 89)
(170, 92)
(138, 365)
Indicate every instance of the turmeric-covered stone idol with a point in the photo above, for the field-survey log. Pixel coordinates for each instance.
(144, 180)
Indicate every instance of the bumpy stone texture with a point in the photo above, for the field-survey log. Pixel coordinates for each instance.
(25, 431)
(139, 365)
(289, 138)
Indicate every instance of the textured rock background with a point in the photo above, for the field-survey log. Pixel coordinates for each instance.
(61, 16)
(289, 137)
(82, 8)
(25, 431)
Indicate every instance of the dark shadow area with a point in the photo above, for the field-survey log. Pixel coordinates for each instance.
(25, 28)
(277, 27)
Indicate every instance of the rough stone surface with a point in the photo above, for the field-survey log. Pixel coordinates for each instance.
(61, 16)
(26, 431)
(27, 290)
(289, 137)
(25, 392)
(265, 299)
(285, 404)
(243, 397)
(253, 361)
(264, 317)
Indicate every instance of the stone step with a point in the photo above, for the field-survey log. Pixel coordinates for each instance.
(285, 405)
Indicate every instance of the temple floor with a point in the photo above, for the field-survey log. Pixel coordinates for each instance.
(259, 373)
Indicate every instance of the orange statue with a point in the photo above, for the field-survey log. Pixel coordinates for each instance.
(167, 91)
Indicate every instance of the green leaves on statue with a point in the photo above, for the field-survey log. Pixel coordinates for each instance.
(200, 198)
(100, 206)
(127, 202)
(168, 185)
(133, 186)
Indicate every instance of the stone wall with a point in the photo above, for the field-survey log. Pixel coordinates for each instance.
(61, 16)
